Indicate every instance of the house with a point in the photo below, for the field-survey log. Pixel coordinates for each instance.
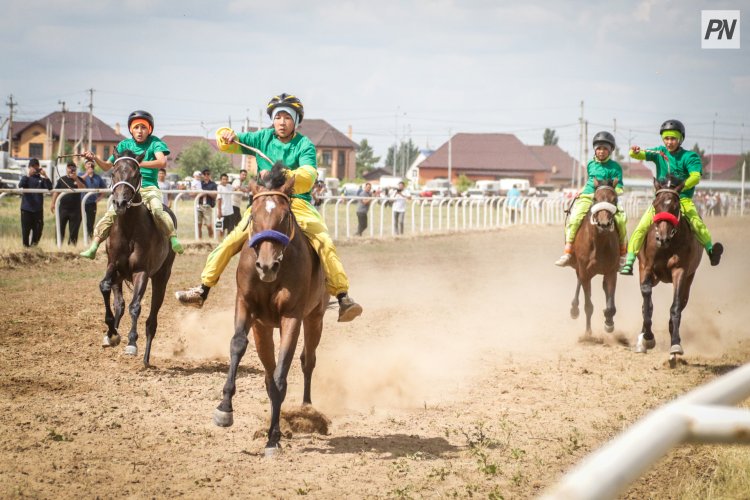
(179, 143)
(721, 167)
(376, 173)
(561, 166)
(412, 173)
(41, 138)
(337, 153)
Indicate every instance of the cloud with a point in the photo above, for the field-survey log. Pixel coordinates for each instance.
(643, 11)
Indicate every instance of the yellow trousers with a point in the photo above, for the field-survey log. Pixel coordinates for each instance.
(151, 196)
(312, 226)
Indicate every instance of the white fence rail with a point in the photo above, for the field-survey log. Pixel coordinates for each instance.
(701, 416)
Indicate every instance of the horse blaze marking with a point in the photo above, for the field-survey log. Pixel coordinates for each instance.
(270, 205)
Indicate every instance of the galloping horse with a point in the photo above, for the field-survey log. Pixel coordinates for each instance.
(671, 254)
(136, 251)
(271, 295)
(596, 251)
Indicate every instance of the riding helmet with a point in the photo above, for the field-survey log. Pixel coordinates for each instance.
(139, 113)
(287, 100)
(606, 138)
(673, 125)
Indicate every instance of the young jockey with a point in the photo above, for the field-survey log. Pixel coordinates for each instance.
(684, 166)
(603, 169)
(141, 125)
(280, 143)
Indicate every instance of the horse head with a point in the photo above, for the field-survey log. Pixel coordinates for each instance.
(273, 221)
(605, 205)
(126, 180)
(667, 209)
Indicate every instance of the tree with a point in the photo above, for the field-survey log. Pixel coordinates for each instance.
(463, 183)
(550, 137)
(200, 155)
(404, 157)
(701, 153)
(366, 158)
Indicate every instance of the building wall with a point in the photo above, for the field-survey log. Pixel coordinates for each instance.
(34, 142)
(426, 174)
(338, 162)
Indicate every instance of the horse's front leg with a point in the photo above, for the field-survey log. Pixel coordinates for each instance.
(313, 331)
(609, 284)
(681, 289)
(158, 289)
(574, 311)
(646, 338)
(588, 306)
(224, 413)
(290, 328)
(112, 338)
(140, 280)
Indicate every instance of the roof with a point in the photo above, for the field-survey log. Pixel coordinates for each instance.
(376, 173)
(557, 161)
(721, 167)
(324, 135)
(76, 123)
(485, 152)
(635, 169)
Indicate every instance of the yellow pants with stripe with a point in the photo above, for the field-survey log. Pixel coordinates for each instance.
(151, 196)
(312, 226)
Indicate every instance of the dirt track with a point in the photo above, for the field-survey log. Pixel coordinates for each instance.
(464, 377)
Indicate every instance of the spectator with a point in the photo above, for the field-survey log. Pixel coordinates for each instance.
(224, 207)
(514, 196)
(206, 205)
(164, 185)
(32, 204)
(92, 181)
(239, 184)
(399, 207)
(364, 207)
(70, 204)
(195, 184)
(318, 193)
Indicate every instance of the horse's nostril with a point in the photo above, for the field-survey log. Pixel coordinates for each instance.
(258, 266)
(275, 266)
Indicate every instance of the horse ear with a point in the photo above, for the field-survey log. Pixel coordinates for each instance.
(116, 153)
(254, 188)
(288, 187)
(680, 187)
(596, 183)
(140, 158)
(657, 184)
(615, 181)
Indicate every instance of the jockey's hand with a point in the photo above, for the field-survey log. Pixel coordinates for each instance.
(228, 136)
(88, 155)
(635, 149)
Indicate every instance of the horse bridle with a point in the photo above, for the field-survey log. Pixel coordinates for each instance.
(136, 190)
(271, 234)
(668, 216)
(604, 205)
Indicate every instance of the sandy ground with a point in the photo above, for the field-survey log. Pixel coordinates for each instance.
(464, 377)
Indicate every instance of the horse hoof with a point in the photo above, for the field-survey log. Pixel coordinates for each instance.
(131, 350)
(272, 451)
(574, 313)
(676, 349)
(609, 327)
(223, 418)
(110, 341)
(643, 345)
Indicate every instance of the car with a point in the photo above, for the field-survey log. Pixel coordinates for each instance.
(10, 178)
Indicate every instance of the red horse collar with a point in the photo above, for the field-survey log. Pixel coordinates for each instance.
(666, 216)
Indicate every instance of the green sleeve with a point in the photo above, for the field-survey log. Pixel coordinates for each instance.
(693, 164)
(159, 145)
(307, 155)
(252, 139)
(693, 179)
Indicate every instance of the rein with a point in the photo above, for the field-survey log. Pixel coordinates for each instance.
(271, 234)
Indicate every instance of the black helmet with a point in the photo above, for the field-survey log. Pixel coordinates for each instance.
(139, 113)
(287, 100)
(673, 125)
(606, 138)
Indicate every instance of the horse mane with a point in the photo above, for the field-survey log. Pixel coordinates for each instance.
(276, 177)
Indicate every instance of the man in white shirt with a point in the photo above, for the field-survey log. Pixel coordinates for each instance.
(224, 206)
(239, 184)
(399, 207)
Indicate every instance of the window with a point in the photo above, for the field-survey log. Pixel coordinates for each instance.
(93, 148)
(36, 149)
(341, 161)
(106, 152)
(327, 158)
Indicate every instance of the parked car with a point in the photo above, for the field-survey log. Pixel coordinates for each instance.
(10, 178)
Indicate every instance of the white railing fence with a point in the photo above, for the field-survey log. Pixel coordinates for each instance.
(701, 416)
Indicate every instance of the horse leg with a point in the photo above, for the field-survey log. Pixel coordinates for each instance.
(223, 415)
(609, 283)
(681, 289)
(277, 385)
(574, 312)
(112, 338)
(119, 303)
(646, 338)
(140, 280)
(313, 331)
(588, 306)
(158, 289)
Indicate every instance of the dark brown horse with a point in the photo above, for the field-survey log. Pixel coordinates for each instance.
(596, 250)
(271, 295)
(671, 254)
(136, 251)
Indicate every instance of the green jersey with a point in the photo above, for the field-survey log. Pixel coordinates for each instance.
(681, 164)
(603, 172)
(148, 148)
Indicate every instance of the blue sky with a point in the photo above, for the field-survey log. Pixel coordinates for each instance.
(388, 69)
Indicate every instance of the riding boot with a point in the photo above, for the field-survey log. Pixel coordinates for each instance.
(627, 268)
(90, 252)
(176, 245)
(714, 255)
(564, 259)
(348, 309)
(193, 297)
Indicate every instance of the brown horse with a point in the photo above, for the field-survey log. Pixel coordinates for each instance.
(271, 295)
(671, 254)
(596, 250)
(136, 251)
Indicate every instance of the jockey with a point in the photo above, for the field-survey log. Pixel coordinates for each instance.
(280, 143)
(603, 169)
(140, 125)
(686, 167)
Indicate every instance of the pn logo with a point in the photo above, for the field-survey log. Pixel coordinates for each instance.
(720, 29)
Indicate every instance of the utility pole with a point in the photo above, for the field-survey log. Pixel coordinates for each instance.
(245, 128)
(91, 118)
(61, 146)
(395, 143)
(744, 165)
(585, 148)
(11, 104)
(450, 158)
(580, 150)
(713, 135)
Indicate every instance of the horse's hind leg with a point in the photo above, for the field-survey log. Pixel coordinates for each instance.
(158, 289)
(112, 338)
(313, 326)
(646, 339)
(574, 311)
(609, 283)
(140, 280)
(223, 415)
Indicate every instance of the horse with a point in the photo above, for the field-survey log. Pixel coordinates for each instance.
(136, 251)
(671, 254)
(271, 295)
(596, 250)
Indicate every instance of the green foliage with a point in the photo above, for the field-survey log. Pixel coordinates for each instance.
(550, 137)
(399, 161)
(366, 159)
(200, 155)
(702, 154)
(463, 183)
